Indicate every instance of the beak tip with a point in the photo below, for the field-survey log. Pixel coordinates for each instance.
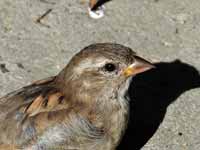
(152, 66)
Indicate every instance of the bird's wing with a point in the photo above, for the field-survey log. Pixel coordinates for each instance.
(27, 114)
(38, 97)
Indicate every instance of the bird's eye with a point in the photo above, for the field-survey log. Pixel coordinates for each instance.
(110, 67)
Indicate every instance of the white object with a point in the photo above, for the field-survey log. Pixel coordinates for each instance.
(97, 14)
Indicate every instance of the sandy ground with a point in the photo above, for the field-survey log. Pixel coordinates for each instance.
(165, 107)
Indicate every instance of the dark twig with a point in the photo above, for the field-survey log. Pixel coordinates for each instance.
(43, 16)
(46, 1)
(98, 4)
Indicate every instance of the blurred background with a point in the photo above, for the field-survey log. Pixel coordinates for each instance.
(165, 102)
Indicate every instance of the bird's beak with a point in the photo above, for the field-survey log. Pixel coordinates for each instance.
(140, 65)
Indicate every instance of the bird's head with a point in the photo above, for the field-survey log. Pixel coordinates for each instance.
(102, 67)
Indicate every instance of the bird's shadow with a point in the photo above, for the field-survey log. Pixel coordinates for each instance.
(151, 93)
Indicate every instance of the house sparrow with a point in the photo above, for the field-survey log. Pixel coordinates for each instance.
(96, 8)
(84, 107)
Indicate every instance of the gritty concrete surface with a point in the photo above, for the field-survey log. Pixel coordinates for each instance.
(160, 30)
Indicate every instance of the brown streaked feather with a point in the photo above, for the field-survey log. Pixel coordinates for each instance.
(54, 100)
(35, 107)
(40, 96)
(49, 102)
(19, 100)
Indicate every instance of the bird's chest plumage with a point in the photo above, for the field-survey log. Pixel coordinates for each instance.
(118, 117)
(118, 123)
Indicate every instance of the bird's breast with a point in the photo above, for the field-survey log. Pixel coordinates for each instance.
(120, 114)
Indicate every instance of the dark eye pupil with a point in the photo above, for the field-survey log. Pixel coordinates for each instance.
(110, 67)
